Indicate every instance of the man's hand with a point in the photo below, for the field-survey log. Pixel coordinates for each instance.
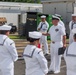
(43, 33)
(38, 29)
(46, 34)
(64, 45)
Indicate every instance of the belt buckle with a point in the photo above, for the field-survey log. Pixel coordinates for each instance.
(53, 42)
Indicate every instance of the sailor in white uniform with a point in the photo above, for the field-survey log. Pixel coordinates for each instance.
(43, 27)
(73, 31)
(72, 25)
(8, 53)
(36, 63)
(70, 57)
(60, 22)
(58, 39)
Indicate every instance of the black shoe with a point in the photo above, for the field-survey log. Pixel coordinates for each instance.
(46, 54)
(51, 72)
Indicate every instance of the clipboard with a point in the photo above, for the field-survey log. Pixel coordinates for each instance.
(61, 50)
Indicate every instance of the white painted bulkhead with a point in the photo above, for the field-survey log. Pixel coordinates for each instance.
(63, 7)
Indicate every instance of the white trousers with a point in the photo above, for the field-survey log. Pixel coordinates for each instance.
(43, 40)
(55, 58)
(7, 71)
(38, 72)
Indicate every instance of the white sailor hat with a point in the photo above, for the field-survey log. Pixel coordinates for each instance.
(55, 17)
(74, 30)
(73, 15)
(35, 35)
(43, 16)
(5, 27)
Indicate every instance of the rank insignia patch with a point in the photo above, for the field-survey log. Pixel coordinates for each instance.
(56, 30)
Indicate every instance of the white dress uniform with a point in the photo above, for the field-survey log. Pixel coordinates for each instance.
(70, 58)
(8, 53)
(36, 63)
(73, 31)
(72, 25)
(43, 40)
(56, 34)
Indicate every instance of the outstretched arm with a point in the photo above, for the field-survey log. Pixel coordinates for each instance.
(46, 34)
